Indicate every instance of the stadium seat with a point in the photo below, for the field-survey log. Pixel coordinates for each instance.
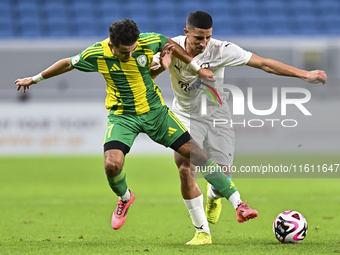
(246, 17)
(246, 8)
(5, 13)
(109, 12)
(327, 7)
(273, 8)
(58, 26)
(277, 25)
(252, 25)
(301, 6)
(303, 24)
(332, 24)
(6, 29)
(31, 29)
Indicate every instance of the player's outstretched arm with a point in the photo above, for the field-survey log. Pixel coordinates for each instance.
(60, 67)
(182, 55)
(278, 68)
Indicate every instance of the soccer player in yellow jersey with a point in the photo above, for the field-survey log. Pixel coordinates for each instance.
(135, 104)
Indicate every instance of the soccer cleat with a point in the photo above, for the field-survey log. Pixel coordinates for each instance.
(200, 238)
(245, 213)
(119, 215)
(213, 208)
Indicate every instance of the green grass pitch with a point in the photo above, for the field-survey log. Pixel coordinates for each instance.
(63, 205)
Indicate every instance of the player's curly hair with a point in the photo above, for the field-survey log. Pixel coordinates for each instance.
(199, 19)
(124, 32)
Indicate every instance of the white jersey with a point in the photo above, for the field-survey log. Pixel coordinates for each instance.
(217, 55)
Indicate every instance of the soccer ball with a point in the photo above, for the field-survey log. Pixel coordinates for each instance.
(290, 227)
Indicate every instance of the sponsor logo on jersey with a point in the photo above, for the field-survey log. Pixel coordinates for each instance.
(178, 68)
(172, 131)
(114, 68)
(142, 60)
(75, 60)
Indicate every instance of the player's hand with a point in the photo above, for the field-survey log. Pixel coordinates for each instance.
(165, 57)
(206, 74)
(316, 76)
(25, 83)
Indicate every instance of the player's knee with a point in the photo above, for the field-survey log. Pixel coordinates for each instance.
(112, 167)
(184, 171)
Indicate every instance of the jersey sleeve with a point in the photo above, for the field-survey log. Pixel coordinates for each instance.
(84, 62)
(153, 41)
(233, 55)
(163, 42)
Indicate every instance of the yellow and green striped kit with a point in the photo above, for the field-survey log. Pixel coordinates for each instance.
(129, 86)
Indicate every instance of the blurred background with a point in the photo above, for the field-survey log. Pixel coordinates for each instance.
(66, 114)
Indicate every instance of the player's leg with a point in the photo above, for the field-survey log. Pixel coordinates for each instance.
(170, 132)
(193, 200)
(213, 206)
(118, 140)
(191, 193)
(210, 172)
(219, 145)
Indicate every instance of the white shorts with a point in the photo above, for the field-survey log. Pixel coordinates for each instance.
(217, 142)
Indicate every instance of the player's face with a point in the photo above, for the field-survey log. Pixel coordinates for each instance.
(197, 40)
(123, 52)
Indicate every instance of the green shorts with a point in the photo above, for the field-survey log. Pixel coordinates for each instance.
(160, 124)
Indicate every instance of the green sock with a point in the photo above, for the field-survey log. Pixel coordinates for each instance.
(118, 183)
(214, 175)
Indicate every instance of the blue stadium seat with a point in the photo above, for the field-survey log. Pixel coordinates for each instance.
(29, 18)
(224, 8)
(277, 25)
(304, 24)
(86, 29)
(246, 17)
(332, 24)
(251, 25)
(273, 8)
(6, 29)
(5, 13)
(301, 6)
(58, 26)
(326, 8)
(223, 25)
(110, 12)
(246, 8)
(163, 8)
(82, 10)
(31, 29)
(55, 11)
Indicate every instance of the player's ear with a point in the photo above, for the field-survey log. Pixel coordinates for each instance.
(186, 31)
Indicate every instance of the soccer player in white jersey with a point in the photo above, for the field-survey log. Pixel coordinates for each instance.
(214, 55)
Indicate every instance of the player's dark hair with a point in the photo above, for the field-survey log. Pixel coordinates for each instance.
(124, 32)
(199, 19)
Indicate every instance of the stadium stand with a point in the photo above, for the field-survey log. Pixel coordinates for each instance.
(91, 18)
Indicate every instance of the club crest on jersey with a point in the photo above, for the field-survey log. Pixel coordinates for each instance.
(142, 60)
(205, 65)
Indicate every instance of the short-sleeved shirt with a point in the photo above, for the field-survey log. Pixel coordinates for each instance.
(129, 86)
(217, 56)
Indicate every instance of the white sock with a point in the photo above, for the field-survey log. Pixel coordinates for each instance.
(212, 195)
(126, 197)
(235, 199)
(196, 210)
